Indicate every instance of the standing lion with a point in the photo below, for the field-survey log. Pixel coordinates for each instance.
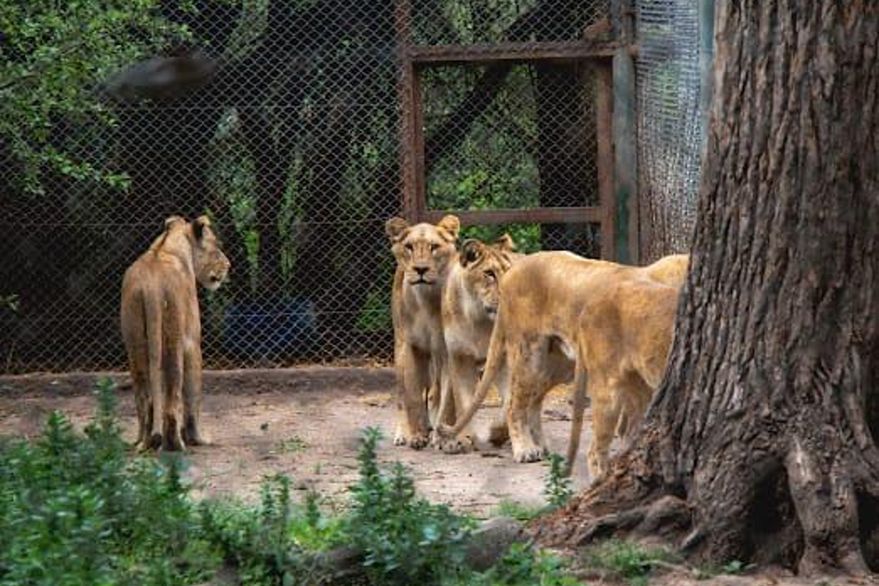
(424, 254)
(161, 328)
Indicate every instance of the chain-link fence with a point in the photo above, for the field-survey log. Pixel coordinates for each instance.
(285, 126)
(671, 121)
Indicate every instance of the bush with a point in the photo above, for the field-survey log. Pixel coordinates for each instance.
(405, 539)
(75, 510)
(78, 509)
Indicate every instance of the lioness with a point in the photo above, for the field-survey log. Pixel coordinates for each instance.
(542, 297)
(469, 307)
(161, 328)
(424, 255)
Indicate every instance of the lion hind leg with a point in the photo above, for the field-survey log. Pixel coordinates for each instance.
(172, 419)
(192, 397)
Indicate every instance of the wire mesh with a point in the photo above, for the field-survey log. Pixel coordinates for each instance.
(285, 126)
(670, 123)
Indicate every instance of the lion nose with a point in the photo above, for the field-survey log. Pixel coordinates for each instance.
(421, 271)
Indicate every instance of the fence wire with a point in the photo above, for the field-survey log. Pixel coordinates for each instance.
(670, 123)
(286, 129)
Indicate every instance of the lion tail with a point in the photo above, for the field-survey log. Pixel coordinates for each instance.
(577, 416)
(494, 362)
(152, 316)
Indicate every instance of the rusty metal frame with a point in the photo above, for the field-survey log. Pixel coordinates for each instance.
(595, 53)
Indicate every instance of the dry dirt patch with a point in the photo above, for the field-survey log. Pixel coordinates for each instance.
(304, 422)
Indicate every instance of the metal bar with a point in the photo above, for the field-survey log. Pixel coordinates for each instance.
(605, 161)
(557, 215)
(627, 249)
(406, 82)
(706, 64)
(561, 51)
(420, 170)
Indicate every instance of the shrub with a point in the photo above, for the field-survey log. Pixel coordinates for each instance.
(405, 539)
(75, 510)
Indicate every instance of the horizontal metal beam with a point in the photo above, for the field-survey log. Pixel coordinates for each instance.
(571, 215)
(557, 51)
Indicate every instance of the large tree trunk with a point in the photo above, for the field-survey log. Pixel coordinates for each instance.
(758, 444)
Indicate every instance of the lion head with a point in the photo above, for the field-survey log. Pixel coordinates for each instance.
(196, 240)
(483, 265)
(423, 251)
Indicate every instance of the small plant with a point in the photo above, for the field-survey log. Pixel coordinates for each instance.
(520, 566)
(517, 511)
(734, 567)
(557, 484)
(291, 445)
(75, 510)
(628, 561)
(405, 539)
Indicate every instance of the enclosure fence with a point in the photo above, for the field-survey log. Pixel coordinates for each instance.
(302, 127)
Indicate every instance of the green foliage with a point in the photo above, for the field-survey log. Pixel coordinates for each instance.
(261, 541)
(53, 56)
(406, 539)
(75, 510)
(557, 484)
(521, 566)
(517, 511)
(628, 561)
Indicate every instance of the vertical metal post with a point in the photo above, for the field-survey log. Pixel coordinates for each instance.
(605, 160)
(626, 244)
(409, 102)
(706, 65)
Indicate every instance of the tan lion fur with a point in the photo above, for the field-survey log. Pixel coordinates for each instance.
(161, 328)
(424, 253)
(539, 333)
(469, 307)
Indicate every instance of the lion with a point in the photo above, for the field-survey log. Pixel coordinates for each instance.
(161, 329)
(424, 253)
(469, 306)
(537, 338)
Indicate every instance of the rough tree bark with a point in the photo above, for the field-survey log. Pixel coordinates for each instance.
(758, 444)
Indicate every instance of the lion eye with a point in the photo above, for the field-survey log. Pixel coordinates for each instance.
(409, 247)
(490, 274)
(434, 247)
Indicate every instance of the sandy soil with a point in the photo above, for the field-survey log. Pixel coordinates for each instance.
(303, 422)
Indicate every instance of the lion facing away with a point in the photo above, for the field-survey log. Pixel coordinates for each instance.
(469, 307)
(424, 253)
(161, 328)
(539, 334)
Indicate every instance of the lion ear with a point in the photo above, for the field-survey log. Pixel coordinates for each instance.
(505, 243)
(198, 226)
(395, 228)
(171, 220)
(471, 251)
(450, 224)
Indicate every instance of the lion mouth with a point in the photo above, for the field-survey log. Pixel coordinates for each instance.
(420, 281)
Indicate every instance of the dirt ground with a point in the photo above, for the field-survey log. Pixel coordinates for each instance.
(304, 422)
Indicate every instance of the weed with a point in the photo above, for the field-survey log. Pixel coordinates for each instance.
(517, 511)
(626, 560)
(557, 486)
(405, 538)
(291, 445)
(520, 566)
(75, 510)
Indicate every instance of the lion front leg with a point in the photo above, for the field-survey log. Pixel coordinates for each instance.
(463, 375)
(413, 374)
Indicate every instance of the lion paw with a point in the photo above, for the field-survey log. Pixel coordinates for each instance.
(498, 434)
(534, 454)
(456, 445)
(419, 441)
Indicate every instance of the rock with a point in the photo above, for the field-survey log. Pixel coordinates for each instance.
(491, 541)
